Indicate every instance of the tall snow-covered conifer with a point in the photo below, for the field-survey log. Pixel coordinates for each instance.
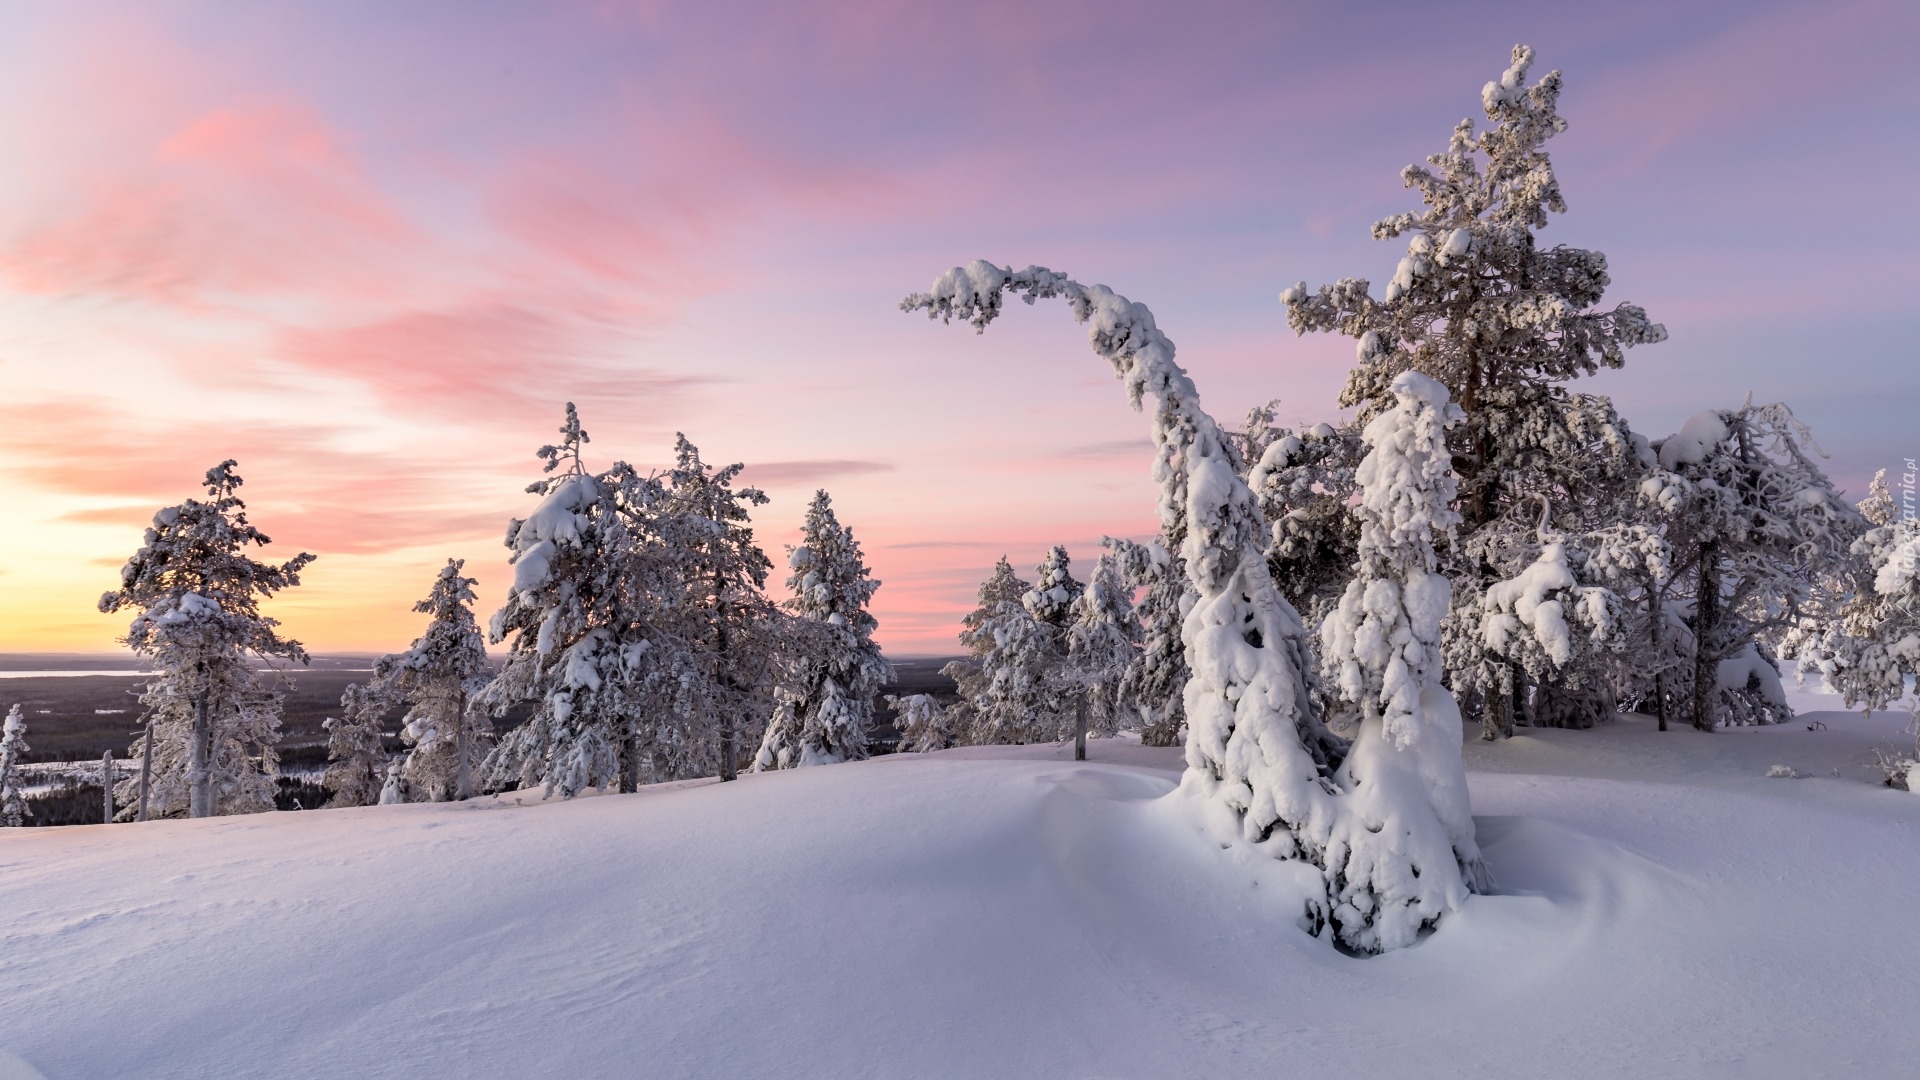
(1262, 768)
(599, 639)
(832, 668)
(13, 748)
(197, 594)
(1102, 643)
(437, 678)
(999, 596)
(1501, 321)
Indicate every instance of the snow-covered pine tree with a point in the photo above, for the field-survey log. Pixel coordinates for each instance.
(1502, 322)
(1022, 695)
(921, 722)
(731, 627)
(356, 760)
(1304, 481)
(1155, 681)
(1382, 645)
(13, 750)
(596, 614)
(830, 674)
(198, 594)
(394, 790)
(999, 594)
(1754, 524)
(437, 678)
(1262, 768)
(1103, 641)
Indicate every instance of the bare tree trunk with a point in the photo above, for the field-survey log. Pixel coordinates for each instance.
(1522, 714)
(1496, 708)
(1659, 654)
(1706, 624)
(146, 769)
(1080, 728)
(463, 776)
(106, 784)
(630, 759)
(726, 679)
(199, 765)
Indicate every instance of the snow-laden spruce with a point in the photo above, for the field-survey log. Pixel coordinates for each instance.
(1154, 683)
(13, 750)
(637, 624)
(436, 679)
(831, 668)
(357, 759)
(1502, 321)
(1262, 768)
(1103, 641)
(921, 722)
(197, 593)
(976, 717)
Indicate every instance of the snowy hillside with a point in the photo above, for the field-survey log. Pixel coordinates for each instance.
(991, 912)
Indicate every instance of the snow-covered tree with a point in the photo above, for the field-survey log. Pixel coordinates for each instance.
(437, 678)
(1502, 321)
(830, 673)
(13, 750)
(922, 724)
(999, 596)
(197, 593)
(1155, 681)
(1383, 648)
(1754, 524)
(1103, 641)
(394, 790)
(1304, 481)
(1871, 648)
(356, 760)
(1262, 769)
(732, 628)
(598, 619)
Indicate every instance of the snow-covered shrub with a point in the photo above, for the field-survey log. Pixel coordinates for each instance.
(922, 724)
(831, 672)
(197, 593)
(1262, 768)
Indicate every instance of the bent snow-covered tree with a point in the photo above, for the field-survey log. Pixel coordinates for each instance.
(198, 593)
(831, 668)
(1262, 768)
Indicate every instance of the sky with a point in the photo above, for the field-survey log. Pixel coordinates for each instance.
(370, 250)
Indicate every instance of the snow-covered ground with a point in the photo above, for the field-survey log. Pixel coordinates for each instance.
(1667, 910)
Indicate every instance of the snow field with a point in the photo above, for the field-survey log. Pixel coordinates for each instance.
(991, 912)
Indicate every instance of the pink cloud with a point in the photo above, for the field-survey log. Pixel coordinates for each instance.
(254, 201)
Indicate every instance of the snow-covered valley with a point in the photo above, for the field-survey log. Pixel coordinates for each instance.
(1664, 909)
